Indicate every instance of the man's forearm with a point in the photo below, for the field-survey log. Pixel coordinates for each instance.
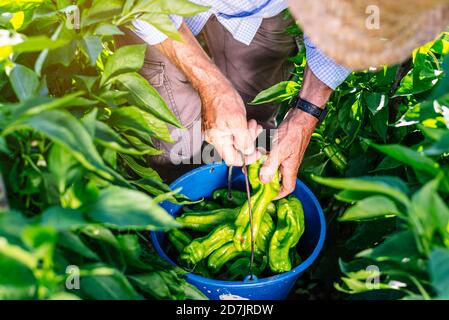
(192, 60)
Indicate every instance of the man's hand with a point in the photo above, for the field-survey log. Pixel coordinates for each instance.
(225, 125)
(293, 136)
(289, 145)
(223, 111)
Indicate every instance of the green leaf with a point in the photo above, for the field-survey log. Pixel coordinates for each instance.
(399, 247)
(153, 284)
(73, 243)
(17, 280)
(180, 7)
(279, 92)
(439, 271)
(108, 287)
(62, 219)
(440, 146)
(389, 186)
(144, 172)
(92, 47)
(163, 23)
(62, 166)
(410, 157)
(129, 209)
(375, 101)
(371, 208)
(129, 244)
(107, 29)
(16, 111)
(132, 119)
(101, 10)
(146, 97)
(429, 214)
(107, 137)
(24, 81)
(125, 59)
(38, 43)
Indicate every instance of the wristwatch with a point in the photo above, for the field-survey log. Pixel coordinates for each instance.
(310, 108)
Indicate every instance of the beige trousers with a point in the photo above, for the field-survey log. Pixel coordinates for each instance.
(250, 68)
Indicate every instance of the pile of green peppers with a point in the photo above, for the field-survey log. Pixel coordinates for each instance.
(215, 240)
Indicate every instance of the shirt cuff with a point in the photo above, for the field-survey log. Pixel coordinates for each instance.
(151, 34)
(323, 67)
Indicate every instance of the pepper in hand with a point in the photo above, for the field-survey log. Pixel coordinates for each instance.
(260, 201)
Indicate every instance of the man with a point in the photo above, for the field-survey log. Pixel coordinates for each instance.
(249, 51)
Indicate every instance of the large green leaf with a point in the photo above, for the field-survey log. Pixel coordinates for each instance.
(92, 47)
(101, 10)
(371, 208)
(108, 287)
(73, 243)
(17, 111)
(62, 219)
(279, 92)
(125, 59)
(34, 44)
(146, 97)
(17, 280)
(399, 247)
(410, 157)
(129, 209)
(439, 271)
(62, 166)
(132, 119)
(107, 137)
(389, 186)
(24, 81)
(179, 7)
(144, 172)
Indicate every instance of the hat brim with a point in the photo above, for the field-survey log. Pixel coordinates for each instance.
(348, 41)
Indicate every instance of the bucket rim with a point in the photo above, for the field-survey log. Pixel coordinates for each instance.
(294, 272)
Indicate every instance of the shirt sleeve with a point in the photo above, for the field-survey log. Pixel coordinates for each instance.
(151, 34)
(323, 67)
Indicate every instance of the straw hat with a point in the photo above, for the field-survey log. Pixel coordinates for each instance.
(369, 33)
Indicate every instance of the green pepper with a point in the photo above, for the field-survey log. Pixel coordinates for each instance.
(337, 158)
(237, 199)
(271, 209)
(260, 200)
(205, 221)
(205, 205)
(222, 255)
(290, 227)
(201, 248)
(266, 232)
(179, 239)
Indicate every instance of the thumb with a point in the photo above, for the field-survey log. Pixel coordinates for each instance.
(270, 167)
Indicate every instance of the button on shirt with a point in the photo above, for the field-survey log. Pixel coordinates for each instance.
(242, 18)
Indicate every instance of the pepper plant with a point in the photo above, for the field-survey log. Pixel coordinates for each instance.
(385, 145)
(77, 124)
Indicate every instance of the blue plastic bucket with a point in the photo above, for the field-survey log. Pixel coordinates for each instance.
(200, 183)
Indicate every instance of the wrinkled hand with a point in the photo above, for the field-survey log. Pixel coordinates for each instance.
(289, 145)
(226, 128)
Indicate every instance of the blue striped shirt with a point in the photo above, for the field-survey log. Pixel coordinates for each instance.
(242, 18)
